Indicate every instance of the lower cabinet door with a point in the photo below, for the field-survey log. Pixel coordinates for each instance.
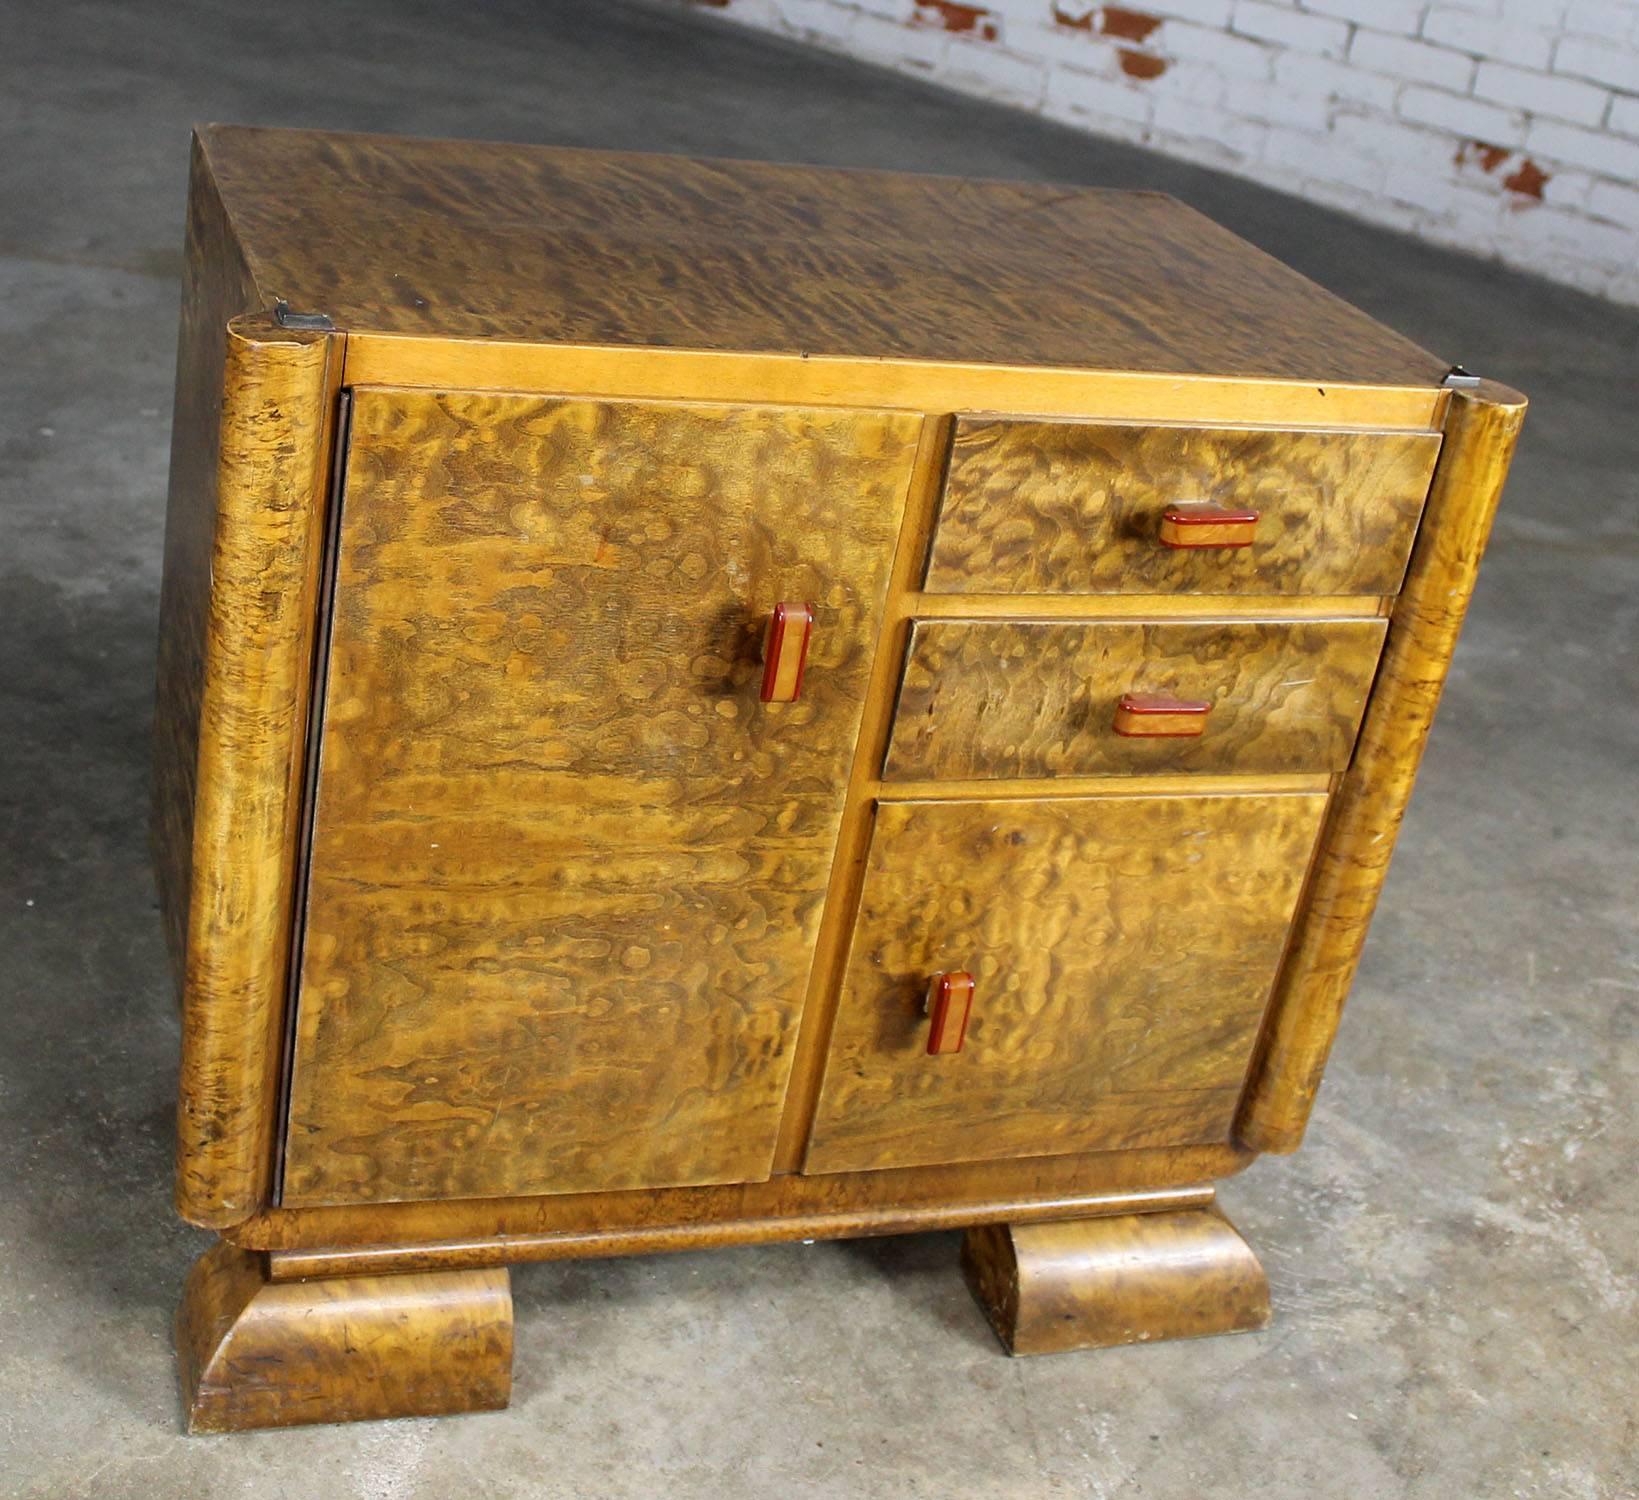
(1122, 951)
(566, 864)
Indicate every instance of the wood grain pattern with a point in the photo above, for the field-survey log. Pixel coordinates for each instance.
(216, 288)
(1040, 698)
(634, 372)
(602, 1241)
(784, 1207)
(566, 869)
(1103, 1026)
(274, 448)
(1371, 802)
(255, 1353)
(1068, 507)
(1127, 1279)
(462, 240)
(847, 866)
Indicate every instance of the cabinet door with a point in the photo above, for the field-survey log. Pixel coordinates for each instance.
(1122, 951)
(566, 868)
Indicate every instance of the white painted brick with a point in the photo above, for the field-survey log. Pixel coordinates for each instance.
(1607, 18)
(1567, 189)
(1294, 70)
(1462, 116)
(1416, 62)
(1541, 94)
(1071, 92)
(1362, 203)
(1431, 191)
(1476, 7)
(895, 43)
(1233, 54)
(1321, 35)
(758, 13)
(1624, 115)
(1212, 127)
(1037, 36)
(1298, 150)
(1619, 204)
(1278, 106)
(1202, 12)
(1624, 286)
(1605, 62)
(1487, 37)
(1548, 14)
(1400, 16)
(1397, 141)
(1001, 75)
(1197, 82)
(1315, 155)
(819, 19)
(1608, 155)
(1611, 245)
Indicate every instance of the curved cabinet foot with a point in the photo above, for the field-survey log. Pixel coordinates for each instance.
(260, 1353)
(1129, 1278)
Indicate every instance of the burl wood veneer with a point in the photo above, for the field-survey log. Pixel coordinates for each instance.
(707, 703)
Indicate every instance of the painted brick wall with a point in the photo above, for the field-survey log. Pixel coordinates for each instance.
(1507, 127)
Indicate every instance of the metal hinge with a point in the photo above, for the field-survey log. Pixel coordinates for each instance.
(1460, 380)
(313, 321)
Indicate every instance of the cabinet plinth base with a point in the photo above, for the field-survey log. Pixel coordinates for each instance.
(1126, 1279)
(259, 1353)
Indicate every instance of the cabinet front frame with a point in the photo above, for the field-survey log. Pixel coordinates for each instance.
(233, 1192)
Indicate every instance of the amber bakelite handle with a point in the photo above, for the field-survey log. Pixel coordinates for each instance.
(785, 652)
(1152, 716)
(950, 998)
(1206, 526)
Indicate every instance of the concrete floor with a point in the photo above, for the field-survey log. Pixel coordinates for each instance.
(1453, 1254)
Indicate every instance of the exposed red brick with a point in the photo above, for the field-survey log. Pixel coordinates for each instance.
(1488, 157)
(1129, 25)
(1141, 64)
(1083, 22)
(959, 18)
(1527, 181)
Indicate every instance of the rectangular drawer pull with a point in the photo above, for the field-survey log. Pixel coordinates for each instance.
(786, 652)
(1204, 525)
(950, 998)
(1150, 716)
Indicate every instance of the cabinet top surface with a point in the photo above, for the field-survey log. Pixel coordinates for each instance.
(458, 239)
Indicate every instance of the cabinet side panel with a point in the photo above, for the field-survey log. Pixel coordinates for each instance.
(273, 459)
(1481, 430)
(216, 287)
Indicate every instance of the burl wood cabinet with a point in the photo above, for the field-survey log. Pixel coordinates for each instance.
(707, 703)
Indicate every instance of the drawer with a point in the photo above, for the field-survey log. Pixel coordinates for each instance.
(1122, 951)
(1050, 507)
(985, 698)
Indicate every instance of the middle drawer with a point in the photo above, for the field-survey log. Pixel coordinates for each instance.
(1023, 698)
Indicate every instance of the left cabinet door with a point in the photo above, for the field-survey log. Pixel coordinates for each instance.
(565, 866)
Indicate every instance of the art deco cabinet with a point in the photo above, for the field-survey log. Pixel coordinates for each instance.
(706, 703)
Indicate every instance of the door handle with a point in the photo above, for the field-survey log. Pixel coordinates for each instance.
(1146, 716)
(950, 999)
(785, 651)
(1203, 526)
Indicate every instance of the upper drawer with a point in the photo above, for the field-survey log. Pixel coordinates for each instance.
(1004, 698)
(1047, 507)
